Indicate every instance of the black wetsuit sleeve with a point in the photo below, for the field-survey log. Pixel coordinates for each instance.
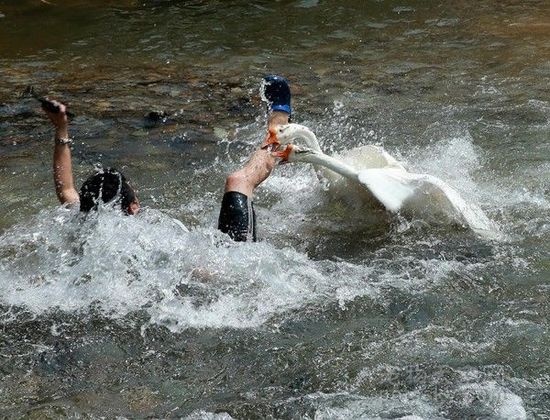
(237, 217)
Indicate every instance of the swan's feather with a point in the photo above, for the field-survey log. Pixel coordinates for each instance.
(369, 156)
(392, 187)
(422, 195)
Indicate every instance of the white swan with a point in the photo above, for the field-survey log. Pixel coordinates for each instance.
(416, 195)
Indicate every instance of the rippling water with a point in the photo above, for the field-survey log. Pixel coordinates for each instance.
(330, 315)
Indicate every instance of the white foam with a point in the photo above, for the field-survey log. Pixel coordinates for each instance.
(182, 279)
(499, 402)
(205, 415)
(454, 159)
(344, 405)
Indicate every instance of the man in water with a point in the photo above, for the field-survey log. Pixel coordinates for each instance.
(105, 185)
(237, 217)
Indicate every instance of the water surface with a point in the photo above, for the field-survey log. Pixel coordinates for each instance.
(329, 316)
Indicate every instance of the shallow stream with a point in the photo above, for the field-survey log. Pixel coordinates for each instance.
(329, 315)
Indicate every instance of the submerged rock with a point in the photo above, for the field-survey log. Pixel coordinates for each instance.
(155, 118)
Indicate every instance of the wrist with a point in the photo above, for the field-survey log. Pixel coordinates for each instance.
(61, 132)
(277, 118)
(62, 136)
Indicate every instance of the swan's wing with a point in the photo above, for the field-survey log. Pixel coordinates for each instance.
(359, 158)
(367, 157)
(449, 200)
(423, 195)
(392, 187)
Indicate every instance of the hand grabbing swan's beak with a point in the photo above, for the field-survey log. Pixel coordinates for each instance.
(283, 154)
(270, 139)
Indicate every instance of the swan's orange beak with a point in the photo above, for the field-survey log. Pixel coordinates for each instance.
(283, 154)
(270, 138)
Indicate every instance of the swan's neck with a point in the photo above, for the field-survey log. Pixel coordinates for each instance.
(318, 158)
(311, 140)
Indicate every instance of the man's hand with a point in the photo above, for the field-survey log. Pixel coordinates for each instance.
(56, 112)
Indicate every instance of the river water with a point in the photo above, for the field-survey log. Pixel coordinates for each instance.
(330, 315)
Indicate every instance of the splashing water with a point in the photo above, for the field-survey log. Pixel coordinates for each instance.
(334, 314)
